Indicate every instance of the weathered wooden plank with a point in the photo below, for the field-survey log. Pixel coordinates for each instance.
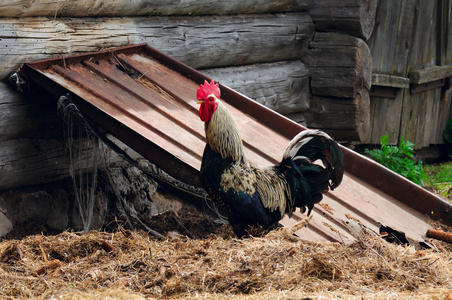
(424, 116)
(423, 49)
(385, 119)
(354, 17)
(430, 74)
(410, 118)
(390, 81)
(391, 39)
(199, 42)
(345, 118)
(89, 8)
(440, 115)
(340, 65)
(281, 86)
(445, 33)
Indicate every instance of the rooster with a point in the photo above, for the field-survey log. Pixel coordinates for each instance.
(255, 198)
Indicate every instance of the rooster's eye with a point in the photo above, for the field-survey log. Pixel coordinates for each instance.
(210, 99)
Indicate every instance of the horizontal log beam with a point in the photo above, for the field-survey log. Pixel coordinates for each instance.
(345, 119)
(31, 161)
(91, 8)
(199, 42)
(281, 86)
(354, 17)
(340, 65)
(22, 117)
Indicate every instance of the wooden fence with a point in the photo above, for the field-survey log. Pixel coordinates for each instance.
(411, 48)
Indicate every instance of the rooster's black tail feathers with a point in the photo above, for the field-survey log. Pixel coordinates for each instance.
(308, 180)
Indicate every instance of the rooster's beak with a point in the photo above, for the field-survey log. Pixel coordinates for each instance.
(200, 101)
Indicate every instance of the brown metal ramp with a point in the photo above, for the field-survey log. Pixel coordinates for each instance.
(147, 100)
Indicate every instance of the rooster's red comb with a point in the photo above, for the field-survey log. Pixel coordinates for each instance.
(207, 89)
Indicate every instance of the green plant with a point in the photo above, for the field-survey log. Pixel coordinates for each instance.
(399, 159)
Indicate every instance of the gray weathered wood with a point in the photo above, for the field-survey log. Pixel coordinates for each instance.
(39, 160)
(444, 34)
(354, 17)
(22, 117)
(430, 74)
(410, 41)
(281, 86)
(200, 42)
(390, 81)
(391, 39)
(31, 161)
(345, 118)
(423, 49)
(385, 115)
(340, 65)
(88, 8)
(424, 117)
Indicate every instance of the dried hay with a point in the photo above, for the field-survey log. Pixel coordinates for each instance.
(133, 265)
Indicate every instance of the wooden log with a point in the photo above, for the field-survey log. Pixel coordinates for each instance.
(345, 119)
(354, 17)
(281, 86)
(89, 8)
(31, 161)
(22, 117)
(199, 42)
(340, 65)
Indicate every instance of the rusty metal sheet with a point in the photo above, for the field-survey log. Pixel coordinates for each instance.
(147, 100)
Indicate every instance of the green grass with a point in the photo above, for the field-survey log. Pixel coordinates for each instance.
(439, 179)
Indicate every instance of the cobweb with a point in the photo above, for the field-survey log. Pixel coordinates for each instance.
(84, 153)
(87, 151)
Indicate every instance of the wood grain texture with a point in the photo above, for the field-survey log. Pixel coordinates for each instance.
(22, 117)
(89, 8)
(345, 119)
(385, 116)
(390, 81)
(281, 86)
(423, 49)
(391, 39)
(430, 74)
(340, 65)
(422, 120)
(199, 42)
(354, 17)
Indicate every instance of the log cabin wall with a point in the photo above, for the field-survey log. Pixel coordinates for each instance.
(232, 37)
(311, 60)
(411, 49)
